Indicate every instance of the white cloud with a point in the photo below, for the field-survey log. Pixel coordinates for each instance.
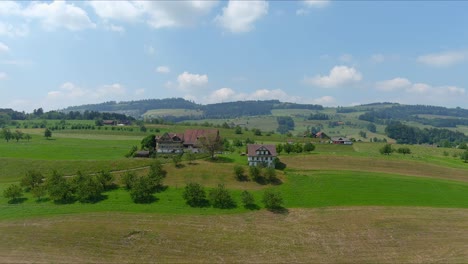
(316, 3)
(221, 95)
(239, 16)
(9, 8)
(58, 14)
(118, 10)
(139, 91)
(163, 69)
(115, 28)
(13, 31)
(420, 88)
(3, 76)
(325, 100)
(309, 4)
(393, 84)
(188, 80)
(104, 91)
(444, 59)
(229, 95)
(339, 76)
(4, 47)
(453, 90)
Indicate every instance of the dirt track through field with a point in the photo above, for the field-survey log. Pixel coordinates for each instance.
(323, 235)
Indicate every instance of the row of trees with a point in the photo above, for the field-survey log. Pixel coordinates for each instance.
(6, 134)
(195, 195)
(262, 175)
(405, 134)
(295, 147)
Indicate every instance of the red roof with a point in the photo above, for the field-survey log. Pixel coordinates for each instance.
(191, 135)
(252, 149)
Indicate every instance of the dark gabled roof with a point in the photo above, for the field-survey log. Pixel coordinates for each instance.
(191, 136)
(252, 149)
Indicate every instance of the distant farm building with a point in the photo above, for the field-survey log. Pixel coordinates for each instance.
(341, 140)
(178, 143)
(261, 155)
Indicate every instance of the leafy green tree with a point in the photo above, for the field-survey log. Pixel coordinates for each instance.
(132, 151)
(363, 134)
(149, 143)
(142, 190)
(13, 192)
(32, 179)
(371, 127)
(195, 195)
(272, 199)
(238, 130)
(297, 147)
(270, 175)
(279, 148)
(190, 156)
(386, 149)
(308, 147)
(288, 148)
(404, 150)
(255, 173)
(27, 137)
(6, 134)
(128, 179)
(237, 143)
(247, 199)
(239, 171)
(58, 188)
(177, 159)
(18, 135)
(47, 133)
(464, 156)
(221, 198)
(87, 188)
(106, 179)
(156, 175)
(211, 143)
(39, 191)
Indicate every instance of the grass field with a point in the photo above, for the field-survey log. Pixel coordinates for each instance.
(172, 112)
(344, 204)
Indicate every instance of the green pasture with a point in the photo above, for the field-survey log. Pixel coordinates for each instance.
(172, 112)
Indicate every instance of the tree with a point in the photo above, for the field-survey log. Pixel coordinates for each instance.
(13, 192)
(156, 175)
(279, 148)
(221, 198)
(308, 147)
(58, 188)
(47, 133)
(239, 171)
(464, 156)
(255, 173)
(6, 134)
(39, 191)
(149, 143)
(106, 179)
(247, 199)
(272, 199)
(211, 143)
(31, 180)
(386, 150)
(190, 156)
(297, 147)
(128, 179)
(270, 175)
(142, 190)
(195, 195)
(404, 150)
(27, 137)
(371, 127)
(87, 188)
(238, 130)
(177, 159)
(288, 148)
(363, 134)
(18, 135)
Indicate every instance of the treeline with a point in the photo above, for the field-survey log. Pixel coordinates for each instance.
(7, 115)
(411, 112)
(405, 134)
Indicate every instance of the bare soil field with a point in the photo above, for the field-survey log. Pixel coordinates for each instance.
(324, 235)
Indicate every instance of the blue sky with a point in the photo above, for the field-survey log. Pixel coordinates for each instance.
(63, 53)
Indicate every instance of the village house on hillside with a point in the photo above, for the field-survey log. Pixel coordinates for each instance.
(261, 155)
(341, 140)
(177, 143)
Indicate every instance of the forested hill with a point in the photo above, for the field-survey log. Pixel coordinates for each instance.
(219, 110)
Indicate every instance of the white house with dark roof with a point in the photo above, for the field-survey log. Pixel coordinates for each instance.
(261, 155)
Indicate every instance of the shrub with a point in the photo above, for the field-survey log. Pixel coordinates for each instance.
(13, 192)
(247, 199)
(272, 200)
(221, 198)
(239, 171)
(128, 179)
(195, 195)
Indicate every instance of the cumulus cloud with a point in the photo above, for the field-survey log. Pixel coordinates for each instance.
(72, 93)
(444, 59)
(3, 47)
(187, 80)
(157, 14)
(239, 16)
(230, 95)
(3, 76)
(453, 90)
(309, 4)
(393, 84)
(163, 69)
(9, 30)
(51, 16)
(339, 76)
(325, 100)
